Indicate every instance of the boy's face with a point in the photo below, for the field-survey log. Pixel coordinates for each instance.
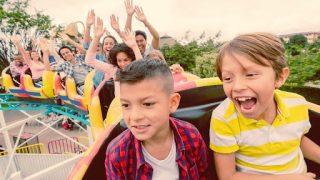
(146, 107)
(251, 86)
(18, 60)
(67, 54)
(141, 42)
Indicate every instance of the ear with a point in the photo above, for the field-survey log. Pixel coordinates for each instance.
(282, 77)
(174, 102)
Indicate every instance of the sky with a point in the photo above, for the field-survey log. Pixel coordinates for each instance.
(176, 17)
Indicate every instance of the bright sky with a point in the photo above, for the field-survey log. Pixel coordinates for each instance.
(175, 17)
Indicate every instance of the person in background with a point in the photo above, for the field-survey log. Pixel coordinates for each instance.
(155, 54)
(33, 61)
(120, 55)
(73, 66)
(16, 68)
(141, 37)
(102, 52)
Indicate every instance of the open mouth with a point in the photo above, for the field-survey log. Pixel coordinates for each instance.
(140, 48)
(140, 127)
(246, 103)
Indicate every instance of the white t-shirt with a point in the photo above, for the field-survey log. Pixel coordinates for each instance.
(163, 169)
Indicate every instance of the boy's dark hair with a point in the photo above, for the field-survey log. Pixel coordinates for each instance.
(142, 33)
(146, 69)
(64, 47)
(120, 48)
(15, 56)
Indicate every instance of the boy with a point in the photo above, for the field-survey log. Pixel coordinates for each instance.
(258, 132)
(155, 146)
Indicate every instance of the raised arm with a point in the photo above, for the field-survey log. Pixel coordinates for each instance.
(130, 11)
(91, 53)
(89, 22)
(130, 41)
(114, 22)
(25, 55)
(155, 35)
(52, 49)
(45, 49)
(66, 38)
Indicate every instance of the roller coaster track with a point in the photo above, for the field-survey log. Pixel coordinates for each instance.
(10, 102)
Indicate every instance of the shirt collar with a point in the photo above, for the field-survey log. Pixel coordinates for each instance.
(178, 140)
(140, 158)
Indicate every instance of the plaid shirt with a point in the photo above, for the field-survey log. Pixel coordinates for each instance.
(125, 160)
(67, 68)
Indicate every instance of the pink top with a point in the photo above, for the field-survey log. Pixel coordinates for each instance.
(107, 68)
(179, 78)
(36, 68)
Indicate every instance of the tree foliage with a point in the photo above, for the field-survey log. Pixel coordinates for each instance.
(187, 54)
(14, 19)
(305, 66)
(299, 40)
(205, 65)
(199, 58)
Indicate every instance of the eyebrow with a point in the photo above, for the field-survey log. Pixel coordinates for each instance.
(121, 99)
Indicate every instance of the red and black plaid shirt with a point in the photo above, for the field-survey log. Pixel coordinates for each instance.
(125, 160)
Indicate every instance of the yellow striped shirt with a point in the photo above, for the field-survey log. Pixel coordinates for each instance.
(259, 147)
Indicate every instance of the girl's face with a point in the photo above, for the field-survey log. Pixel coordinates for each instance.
(123, 60)
(34, 55)
(108, 44)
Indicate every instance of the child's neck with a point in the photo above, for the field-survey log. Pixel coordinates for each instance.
(159, 147)
(271, 115)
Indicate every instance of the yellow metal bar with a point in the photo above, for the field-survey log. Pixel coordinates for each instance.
(32, 149)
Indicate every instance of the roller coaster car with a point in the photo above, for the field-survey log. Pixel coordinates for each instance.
(70, 94)
(43, 92)
(196, 106)
(11, 86)
(100, 102)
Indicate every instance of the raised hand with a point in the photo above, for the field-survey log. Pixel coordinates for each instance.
(98, 29)
(140, 14)
(53, 34)
(114, 22)
(80, 39)
(64, 36)
(43, 45)
(128, 38)
(15, 39)
(129, 7)
(90, 18)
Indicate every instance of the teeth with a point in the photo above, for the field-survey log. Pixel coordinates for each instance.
(242, 98)
(141, 126)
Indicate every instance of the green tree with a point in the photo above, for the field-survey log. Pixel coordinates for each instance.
(304, 67)
(14, 18)
(299, 40)
(205, 65)
(186, 54)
